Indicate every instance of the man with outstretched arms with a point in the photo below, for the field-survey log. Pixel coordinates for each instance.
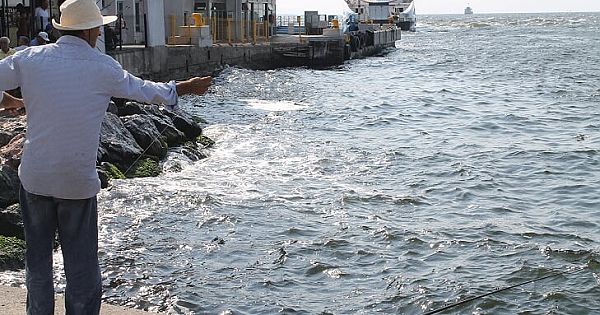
(58, 167)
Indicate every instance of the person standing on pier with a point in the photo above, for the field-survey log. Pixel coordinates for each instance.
(42, 15)
(58, 166)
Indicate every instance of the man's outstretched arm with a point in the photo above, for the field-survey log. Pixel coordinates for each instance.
(197, 86)
(126, 85)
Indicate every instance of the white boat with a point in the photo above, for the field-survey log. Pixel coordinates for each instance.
(399, 12)
(468, 11)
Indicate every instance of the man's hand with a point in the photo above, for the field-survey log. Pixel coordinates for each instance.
(11, 103)
(195, 85)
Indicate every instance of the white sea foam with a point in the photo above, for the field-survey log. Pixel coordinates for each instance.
(274, 106)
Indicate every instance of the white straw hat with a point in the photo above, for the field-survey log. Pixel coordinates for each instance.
(78, 15)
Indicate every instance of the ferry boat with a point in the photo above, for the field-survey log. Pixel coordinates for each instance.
(399, 12)
(468, 11)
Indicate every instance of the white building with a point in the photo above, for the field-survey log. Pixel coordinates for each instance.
(155, 21)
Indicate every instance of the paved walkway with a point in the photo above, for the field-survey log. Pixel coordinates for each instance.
(12, 302)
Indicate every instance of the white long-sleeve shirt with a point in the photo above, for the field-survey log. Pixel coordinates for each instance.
(66, 89)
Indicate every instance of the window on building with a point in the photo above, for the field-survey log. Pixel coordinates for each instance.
(138, 17)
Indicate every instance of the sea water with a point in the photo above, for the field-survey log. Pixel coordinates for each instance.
(463, 161)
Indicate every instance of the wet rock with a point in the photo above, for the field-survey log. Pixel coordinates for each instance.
(205, 141)
(146, 135)
(154, 110)
(191, 150)
(9, 186)
(112, 108)
(144, 168)
(11, 222)
(172, 166)
(119, 101)
(12, 137)
(11, 127)
(112, 171)
(117, 145)
(164, 124)
(12, 152)
(131, 108)
(184, 122)
(171, 135)
(104, 179)
(5, 137)
(12, 253)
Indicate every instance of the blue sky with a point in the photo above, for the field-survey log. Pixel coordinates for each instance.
(451, 6)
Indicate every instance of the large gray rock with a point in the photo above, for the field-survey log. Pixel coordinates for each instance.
(10, 127)
(9, 186)
(191, 150)
(146, 135)
(117, 145)
(171, 135)
(112, 108)
(104, 178)
(131, 108)
(184, 122)
(163, 123)
(155, 110)
(11, 222)
(5, 137)
(11, 153)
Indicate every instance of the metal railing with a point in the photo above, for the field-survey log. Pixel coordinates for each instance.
(129, 29)
(292, 25)
(218, 29)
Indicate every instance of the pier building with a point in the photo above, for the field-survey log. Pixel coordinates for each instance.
(176, 39)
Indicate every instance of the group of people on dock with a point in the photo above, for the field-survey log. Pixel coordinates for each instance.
(36, 28)
(59, 181)
(24, 42)
(42, 28)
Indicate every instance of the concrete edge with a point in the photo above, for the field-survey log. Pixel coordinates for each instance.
(12, 302)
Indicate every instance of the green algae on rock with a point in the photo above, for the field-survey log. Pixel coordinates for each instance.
(12, 253)
(144, 168)
(112, 171)
(205, 141)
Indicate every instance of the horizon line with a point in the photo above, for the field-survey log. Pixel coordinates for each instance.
(461, 13)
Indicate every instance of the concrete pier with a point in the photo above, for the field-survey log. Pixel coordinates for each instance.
(164, 63)
(180, 62)
(12, 302)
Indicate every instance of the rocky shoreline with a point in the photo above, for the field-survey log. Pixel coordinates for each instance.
(134, 140)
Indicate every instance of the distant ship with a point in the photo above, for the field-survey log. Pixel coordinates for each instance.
(468, 10)
(398, 12)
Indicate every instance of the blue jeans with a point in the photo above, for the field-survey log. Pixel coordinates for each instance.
(77, 225)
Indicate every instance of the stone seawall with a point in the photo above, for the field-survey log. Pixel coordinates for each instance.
(183, 62)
